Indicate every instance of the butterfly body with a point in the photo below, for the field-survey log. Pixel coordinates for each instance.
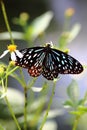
(48, 61)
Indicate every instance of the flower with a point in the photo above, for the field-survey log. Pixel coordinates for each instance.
(12, 49)
(69, 12)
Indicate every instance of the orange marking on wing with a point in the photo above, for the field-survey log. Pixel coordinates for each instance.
(35, 71)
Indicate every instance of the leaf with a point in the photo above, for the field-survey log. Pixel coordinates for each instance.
(83, 109)
(74, 32)
(38, 26)
(80, 111)
(73, 92)
(37, 104)
(4, 125)
(81, 101)
(69, 36)
(68, 104)
(76, 113)
(2, 95)
(15, 35)
(16, 100)
(1, 127)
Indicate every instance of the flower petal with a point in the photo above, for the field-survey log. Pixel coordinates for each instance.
(13, 56)
(4, 53)
(19, 54)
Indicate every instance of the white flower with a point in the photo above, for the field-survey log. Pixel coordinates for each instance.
(12, 49)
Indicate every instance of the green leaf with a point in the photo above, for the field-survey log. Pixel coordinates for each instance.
(1, 127)
(2, 95)
(76, 113)
(80, 102)
(74, 32)
(68, 104)
(16, 99)
(73, 92)
(38, 26)
(4, 125)
(69, 36)
(16, 35)
(83, 109)
(80, 111)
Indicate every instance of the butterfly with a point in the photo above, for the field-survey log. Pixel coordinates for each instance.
(48, 61)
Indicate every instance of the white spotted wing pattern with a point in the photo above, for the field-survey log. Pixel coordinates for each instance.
(48, 61)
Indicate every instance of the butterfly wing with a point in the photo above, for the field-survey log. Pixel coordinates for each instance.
(32, 59)
(57, 62)
(48, 62)
(50, 70)
(66, 64)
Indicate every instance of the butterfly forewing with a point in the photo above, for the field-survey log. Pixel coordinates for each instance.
(30, 56)
(66, 64)
(32, 59)
(36, 69)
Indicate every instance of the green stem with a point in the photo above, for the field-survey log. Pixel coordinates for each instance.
(26, 88)
(6, 20)
(12, 71)
(66, 24)
(8, 104)
(76, 123)
(12, 113)
(30, 84)
(9, 73)
(25, 98)
(6, 83)
(25, 108)
(49, 105)
(22, 77)
(6, 79)
(2, 85)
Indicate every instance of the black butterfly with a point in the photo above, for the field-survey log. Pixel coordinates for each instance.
(48, 61)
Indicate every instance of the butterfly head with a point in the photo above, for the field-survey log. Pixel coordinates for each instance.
(49, 44)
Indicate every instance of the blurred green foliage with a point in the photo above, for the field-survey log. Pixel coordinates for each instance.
(29, 107)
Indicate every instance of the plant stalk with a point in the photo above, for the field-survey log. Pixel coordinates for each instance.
(49, 105)
(6, 20)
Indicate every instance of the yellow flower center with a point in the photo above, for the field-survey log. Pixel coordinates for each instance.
(12, 47)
